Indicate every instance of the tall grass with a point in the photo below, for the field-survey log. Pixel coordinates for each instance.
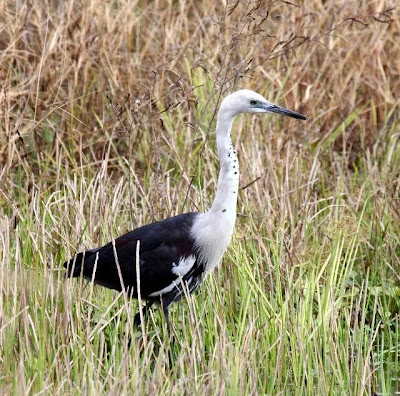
(107, 123)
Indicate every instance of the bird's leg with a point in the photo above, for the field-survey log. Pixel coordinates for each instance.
(171, 340)
(165, 304)
(137, 321)
(166, 314)
(145, 310)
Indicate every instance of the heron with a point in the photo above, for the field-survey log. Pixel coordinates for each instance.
(162, 261)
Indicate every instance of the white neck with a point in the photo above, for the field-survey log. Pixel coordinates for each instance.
(212, 231)
(225, 201)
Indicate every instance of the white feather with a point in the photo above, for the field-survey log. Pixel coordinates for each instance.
(165, 290)
(184, 266)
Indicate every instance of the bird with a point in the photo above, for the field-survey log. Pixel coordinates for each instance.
(162, 261)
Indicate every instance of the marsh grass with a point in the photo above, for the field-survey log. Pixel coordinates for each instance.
(108, 113)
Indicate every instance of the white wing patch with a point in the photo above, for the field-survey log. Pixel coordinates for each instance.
(163, 291)
(184, 266)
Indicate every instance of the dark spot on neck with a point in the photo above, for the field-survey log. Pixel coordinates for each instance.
(223, 210)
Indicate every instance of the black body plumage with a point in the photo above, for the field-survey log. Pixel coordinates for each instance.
(163, 245)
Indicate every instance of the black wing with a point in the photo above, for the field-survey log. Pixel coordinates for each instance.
(162, 245)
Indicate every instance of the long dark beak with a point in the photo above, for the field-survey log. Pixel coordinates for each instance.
(281, 110)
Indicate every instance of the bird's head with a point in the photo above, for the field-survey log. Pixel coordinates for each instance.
(246, 101)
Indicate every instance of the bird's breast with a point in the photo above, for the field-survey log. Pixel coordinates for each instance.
(212, 234)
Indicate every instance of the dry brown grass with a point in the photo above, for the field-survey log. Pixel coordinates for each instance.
(60, 61)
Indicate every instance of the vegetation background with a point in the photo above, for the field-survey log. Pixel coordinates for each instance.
(107, 123)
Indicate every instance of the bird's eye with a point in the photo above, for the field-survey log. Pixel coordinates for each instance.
(253, 102)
